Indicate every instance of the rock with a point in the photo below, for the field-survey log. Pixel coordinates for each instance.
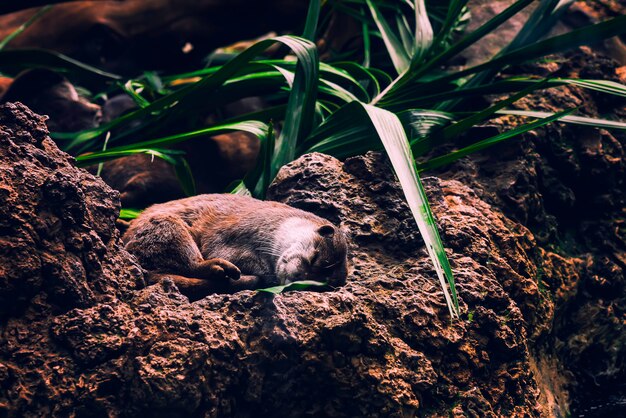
(566, 185)
(490, 263)
(57, 223)
(81, 333)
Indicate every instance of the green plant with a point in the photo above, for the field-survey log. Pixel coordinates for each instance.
(407, 105)
(299, 285)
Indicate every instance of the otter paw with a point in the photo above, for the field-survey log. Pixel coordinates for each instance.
(218, 269)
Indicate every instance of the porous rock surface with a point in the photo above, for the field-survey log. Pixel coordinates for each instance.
(567, 185)
(81, 334)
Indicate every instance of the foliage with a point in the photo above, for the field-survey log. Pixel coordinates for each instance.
(393, 94)
(298, 285)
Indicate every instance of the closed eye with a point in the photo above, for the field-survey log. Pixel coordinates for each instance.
(331, 265)
(329, 268)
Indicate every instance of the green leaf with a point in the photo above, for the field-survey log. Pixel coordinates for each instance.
(575, 120)
(407, 38)
(367, 44)
(313, 14)
(114, 153)
(15, 60)
(418, 71)
(531, 31)
(423, 122)
(456, 12)
(358, 126)
(133, 89)
(256, 128)
(126, 213)
(396, 145)
(299, 118)
(423, 33)
(399, 57)
(25, 25)
(184, 175)
(299, 285)
(424, 145)
(345, 133)
(190, 95)
(367, 78)
(472, 37)
(348, 131)
(583, 36)
(239, 188)
(603, 86)
(423, 94)
(174, 157)
(480, 145)
(259, 178)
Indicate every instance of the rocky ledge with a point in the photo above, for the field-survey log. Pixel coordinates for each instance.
(82, 335)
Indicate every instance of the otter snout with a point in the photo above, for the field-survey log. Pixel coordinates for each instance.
(312, 252)
(291, 268)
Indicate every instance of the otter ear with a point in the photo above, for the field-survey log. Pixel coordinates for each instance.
(326, 230)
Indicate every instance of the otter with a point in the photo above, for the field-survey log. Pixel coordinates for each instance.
(220, 243)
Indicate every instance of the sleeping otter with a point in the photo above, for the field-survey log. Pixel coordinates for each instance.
(223, 243)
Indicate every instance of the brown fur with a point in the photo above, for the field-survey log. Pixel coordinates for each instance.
(207, 243)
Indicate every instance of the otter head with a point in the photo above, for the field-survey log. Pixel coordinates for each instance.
(311, 250)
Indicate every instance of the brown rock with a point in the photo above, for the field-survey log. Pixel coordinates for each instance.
(81, 334)
(78, 338)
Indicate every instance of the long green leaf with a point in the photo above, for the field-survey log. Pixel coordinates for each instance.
(454, 13)
(25, 25)
(86, 160)
(192, 94)
(480, 145)
(418, 71)
(313, 14)
(423, 33)
(299, 119)
(259, 178)
(256, 128)
(14, 60)
(454, 130)
(407, 38)
(421, 123)
(396, 144)
(583, 36)
(184, 175)
(575, 120)
(298, 285)
(531, 32)
(473, 37)
(399, 57)
(425, 94)
(359, 126)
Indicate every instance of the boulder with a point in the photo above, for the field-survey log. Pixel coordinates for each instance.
(81, 334)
